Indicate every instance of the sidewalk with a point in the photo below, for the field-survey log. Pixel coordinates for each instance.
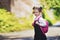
(53, 31)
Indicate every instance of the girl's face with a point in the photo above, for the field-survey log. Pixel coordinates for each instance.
(36, 12)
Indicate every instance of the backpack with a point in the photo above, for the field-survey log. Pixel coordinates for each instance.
(45, 28)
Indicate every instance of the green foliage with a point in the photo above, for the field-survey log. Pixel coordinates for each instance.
(51, 4)
(26, 23)
(50, 23)
(47, 17)
(57, 13)
(9, 23)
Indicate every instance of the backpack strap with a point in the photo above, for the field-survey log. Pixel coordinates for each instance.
(41, 27)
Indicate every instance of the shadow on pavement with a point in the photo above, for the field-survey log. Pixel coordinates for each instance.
(2, 37)
(53, 38)
(6, 38)
(28, 38)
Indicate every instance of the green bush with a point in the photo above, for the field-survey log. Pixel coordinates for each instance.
(50, 23)
(57, 13)
(51, 4)
(9, 23)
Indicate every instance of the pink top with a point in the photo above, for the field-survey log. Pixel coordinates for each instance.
(42, 22)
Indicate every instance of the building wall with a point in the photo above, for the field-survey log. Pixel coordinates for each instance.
(21, 8)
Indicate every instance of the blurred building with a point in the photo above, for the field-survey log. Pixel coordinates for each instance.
(5, 4)
(19, 7)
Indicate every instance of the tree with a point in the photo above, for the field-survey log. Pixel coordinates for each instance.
(51, 4)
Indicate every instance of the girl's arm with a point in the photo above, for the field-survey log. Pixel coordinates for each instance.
(41, 22)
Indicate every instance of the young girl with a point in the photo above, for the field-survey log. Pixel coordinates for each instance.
(39, 35)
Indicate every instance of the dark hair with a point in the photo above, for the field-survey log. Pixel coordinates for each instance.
(39, 8)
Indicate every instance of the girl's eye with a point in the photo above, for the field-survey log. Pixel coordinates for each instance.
(35, 12)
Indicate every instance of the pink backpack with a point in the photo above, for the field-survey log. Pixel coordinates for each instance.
(44, 29)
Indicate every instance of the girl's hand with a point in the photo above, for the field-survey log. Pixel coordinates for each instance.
(42, 23)
(37, 22)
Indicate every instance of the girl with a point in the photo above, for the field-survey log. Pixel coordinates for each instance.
(39, 35)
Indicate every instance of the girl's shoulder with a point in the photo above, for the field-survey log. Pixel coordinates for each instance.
(41, 18)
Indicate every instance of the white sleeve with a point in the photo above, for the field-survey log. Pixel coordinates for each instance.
(42, 22)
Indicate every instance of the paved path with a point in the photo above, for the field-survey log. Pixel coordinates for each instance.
(53, 34)
(30, 38)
